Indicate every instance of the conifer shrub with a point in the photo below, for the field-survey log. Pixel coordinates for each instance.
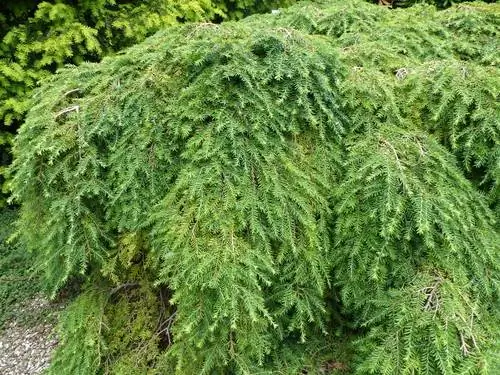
(314, 191)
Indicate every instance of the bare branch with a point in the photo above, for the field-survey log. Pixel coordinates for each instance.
(71, 91)
(432, 302)
(168, 327)
(464, 347)
(123, 286)
(75, 108)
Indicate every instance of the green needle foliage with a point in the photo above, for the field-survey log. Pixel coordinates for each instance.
(431, 326)
(37, 38)
(406, 3)
(254, 166)
(310, 191)
(40, 37)
(465, 119)
(400, 205)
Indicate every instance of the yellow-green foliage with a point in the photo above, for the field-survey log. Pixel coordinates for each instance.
(114, 331)
(119, 323)
(287, 187)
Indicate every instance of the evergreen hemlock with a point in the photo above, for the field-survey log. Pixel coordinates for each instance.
(280, 194)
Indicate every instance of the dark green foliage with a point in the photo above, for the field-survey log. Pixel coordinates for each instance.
(236, 9)
(18, 279)
(448, 88)
(285, 193)
(406, 3)
(51, 34)
(55, 33)
(418, 260)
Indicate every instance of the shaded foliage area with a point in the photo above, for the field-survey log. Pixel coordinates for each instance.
(441, 4)
(314, 190)
(18, 280)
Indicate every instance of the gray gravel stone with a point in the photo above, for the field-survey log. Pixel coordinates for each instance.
(27, 350)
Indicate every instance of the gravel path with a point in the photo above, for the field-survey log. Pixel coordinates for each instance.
(26, 350)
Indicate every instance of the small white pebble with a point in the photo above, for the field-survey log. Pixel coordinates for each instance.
(26, 351)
